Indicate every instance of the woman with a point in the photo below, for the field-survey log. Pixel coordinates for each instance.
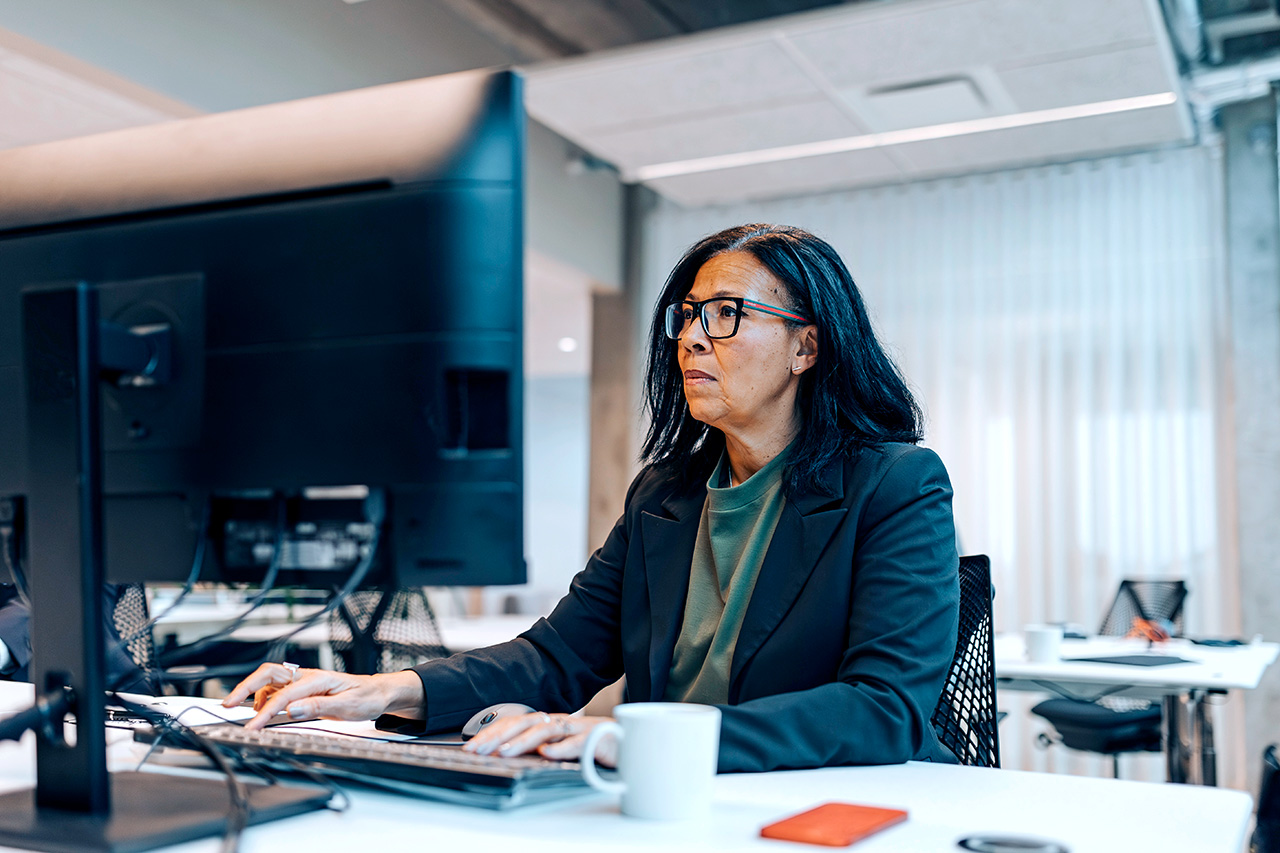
(788, 554)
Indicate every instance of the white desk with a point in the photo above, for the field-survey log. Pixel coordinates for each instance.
(189, 622)
(945, 802)
(1181, 687)
(459, 634)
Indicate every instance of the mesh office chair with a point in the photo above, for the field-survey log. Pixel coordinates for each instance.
(370, 631)
(1266, 833)
(965, 716)
(127, 609)
(384, 631)
(1116, 726)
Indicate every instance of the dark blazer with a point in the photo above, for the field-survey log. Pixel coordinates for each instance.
(15, 633)
(843, 650)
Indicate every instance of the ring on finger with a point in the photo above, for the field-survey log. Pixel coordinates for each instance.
(546, 718)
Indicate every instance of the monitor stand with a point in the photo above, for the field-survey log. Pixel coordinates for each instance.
(148, 810)
(76, 804)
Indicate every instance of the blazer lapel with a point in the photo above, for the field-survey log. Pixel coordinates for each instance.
(668, 551)
(807, 524)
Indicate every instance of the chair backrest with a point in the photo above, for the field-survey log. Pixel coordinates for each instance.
(131, 619)
(384, 631)
(965, 716)
(1145, 599)
(1266, 832)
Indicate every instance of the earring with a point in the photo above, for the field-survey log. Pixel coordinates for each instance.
(795, 369)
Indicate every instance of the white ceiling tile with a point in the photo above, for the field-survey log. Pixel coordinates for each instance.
(762, 86)
(613, 94)
(1088, 79)
(1044, 143)
(45, 97)
(947, 100)
(784, 124)
(773, 180)
(911, 41)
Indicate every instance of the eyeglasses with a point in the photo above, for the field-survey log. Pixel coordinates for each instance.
(720, 315)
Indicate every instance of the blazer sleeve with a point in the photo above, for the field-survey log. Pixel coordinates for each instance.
(556, 665)
(902, 627)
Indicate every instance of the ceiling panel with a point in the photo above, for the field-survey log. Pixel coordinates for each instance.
(812, 79)
(640, 87)
(915, 40)
(783, 124)
(1024, 145)
(792, 177)
(45, 96)
(1087, 79)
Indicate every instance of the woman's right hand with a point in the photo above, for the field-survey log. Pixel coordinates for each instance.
(311, 693)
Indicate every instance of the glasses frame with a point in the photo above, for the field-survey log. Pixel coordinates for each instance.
(739, 301)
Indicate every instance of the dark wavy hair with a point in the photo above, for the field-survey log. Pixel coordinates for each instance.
(854, 396)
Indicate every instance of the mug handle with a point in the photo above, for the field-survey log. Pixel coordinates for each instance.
(588, 760)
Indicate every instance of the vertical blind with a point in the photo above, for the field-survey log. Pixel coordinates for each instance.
(1062, 327)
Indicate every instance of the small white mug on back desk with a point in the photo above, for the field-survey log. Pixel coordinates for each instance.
(667, 755)
(1044, 642)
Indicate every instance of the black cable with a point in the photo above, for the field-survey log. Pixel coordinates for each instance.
(374, 738)
(238, 811)
(44, 717)
(267, 585)
(197, 565)
(375, 513)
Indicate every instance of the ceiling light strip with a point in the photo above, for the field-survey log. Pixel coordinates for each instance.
(899, 137)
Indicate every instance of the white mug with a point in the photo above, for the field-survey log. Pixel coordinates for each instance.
(1044, 642)
(667, 754)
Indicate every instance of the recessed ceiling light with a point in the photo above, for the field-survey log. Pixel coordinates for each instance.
(567, 344)
(898, 137)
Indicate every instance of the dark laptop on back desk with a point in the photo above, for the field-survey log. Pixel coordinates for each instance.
(1135, 660)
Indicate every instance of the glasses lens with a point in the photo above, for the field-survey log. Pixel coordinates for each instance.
(677, 319)
(720, 316)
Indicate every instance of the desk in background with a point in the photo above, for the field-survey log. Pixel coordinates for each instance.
(1181, 688)
(189, 622)
(945, 802)
(459, 634)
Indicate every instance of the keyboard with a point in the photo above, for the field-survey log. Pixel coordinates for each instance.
(424, 770)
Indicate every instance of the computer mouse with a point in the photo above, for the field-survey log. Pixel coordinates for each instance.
(492, 713)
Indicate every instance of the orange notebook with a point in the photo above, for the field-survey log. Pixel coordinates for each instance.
(834, 824)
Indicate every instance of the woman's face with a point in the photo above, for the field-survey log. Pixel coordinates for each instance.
(744, 385)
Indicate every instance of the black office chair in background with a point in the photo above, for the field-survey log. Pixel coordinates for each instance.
(1153, 600)
(1112, 725)
(965, 717)
(384, 631)
(1266, 832)
(131, 619)
(370, 631)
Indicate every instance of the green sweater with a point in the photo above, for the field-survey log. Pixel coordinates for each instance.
(733, 535)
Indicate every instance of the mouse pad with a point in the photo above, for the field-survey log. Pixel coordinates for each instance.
(1137, 660)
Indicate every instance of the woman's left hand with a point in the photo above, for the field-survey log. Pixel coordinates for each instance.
(558, 736)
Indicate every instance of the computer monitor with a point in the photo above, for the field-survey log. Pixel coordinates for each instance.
(343, 279)
(293, 305)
